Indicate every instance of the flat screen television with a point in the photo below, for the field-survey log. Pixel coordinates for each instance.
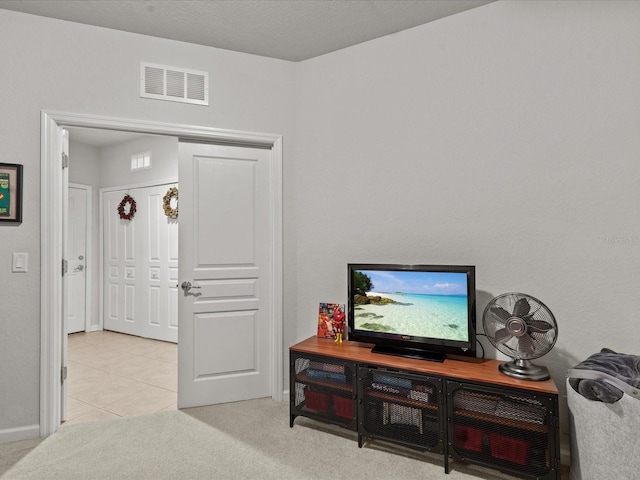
(418, 311)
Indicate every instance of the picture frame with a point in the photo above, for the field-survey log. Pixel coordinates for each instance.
(331, 320)
(10, 193)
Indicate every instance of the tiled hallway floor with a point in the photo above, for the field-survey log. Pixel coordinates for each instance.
(113, 375)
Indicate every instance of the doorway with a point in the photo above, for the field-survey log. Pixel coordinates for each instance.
(52, 322)
(115, 365)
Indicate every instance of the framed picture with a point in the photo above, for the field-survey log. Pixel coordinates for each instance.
(330, 320)
(10, 193)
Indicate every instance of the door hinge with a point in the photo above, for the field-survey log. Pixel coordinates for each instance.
(65, 160)
(65, 266)
(63, 373)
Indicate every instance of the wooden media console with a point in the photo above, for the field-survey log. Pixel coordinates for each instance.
(463, 408)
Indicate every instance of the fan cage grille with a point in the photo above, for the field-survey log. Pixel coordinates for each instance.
(535, 343)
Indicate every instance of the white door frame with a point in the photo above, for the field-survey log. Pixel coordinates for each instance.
(51, 322)
(88, 256)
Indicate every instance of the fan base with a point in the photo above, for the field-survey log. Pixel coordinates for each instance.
(524, 370)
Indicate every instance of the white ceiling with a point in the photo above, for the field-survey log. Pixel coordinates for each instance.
(286, 29)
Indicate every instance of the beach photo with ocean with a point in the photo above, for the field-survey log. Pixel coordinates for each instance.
(419, 315)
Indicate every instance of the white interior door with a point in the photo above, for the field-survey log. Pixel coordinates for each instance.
(158, 284)
(64, 147)
(76, 255)
(119, 258)
(140, 258)
(226, 257)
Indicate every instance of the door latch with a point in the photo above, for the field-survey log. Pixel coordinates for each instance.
(186, 286)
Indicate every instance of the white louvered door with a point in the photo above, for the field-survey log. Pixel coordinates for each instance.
(140, 258)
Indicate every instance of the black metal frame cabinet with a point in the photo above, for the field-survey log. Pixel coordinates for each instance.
(324, 389)
(464, 409)
(511, 430)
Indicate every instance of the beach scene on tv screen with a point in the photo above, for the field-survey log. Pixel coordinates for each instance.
(420, 304)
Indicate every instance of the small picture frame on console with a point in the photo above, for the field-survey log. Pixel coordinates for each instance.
(331, 319)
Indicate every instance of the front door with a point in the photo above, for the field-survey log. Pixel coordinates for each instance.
(226, 259)
(76, 254)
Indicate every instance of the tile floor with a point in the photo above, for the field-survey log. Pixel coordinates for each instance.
(113, 375)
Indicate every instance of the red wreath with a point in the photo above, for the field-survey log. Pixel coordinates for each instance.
(132, 207)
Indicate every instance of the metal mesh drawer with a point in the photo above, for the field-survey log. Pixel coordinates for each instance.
(511, 431)
(324, 388)
(401, 407)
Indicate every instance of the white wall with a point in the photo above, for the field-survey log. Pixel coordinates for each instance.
(505, 137)
(115, 161)
(52, 65)
(84, 164)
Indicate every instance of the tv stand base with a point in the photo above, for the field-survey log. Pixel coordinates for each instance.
(464, 409)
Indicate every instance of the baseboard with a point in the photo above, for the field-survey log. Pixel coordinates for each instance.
(19, 433)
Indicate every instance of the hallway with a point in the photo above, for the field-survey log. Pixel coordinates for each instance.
(112, 375)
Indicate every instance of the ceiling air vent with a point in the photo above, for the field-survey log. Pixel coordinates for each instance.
(174, 84)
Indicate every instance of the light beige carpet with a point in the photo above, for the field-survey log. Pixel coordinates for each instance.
(242, 440)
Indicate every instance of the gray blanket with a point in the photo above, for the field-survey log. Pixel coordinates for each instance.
(619, 365)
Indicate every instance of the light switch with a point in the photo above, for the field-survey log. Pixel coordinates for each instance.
(20, 262)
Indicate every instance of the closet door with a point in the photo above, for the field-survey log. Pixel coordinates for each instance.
(140, 258)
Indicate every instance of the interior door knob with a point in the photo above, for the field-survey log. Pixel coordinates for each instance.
(186, 286)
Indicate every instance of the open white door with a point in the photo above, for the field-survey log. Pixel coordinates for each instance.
(225, 274)
(65, 269)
